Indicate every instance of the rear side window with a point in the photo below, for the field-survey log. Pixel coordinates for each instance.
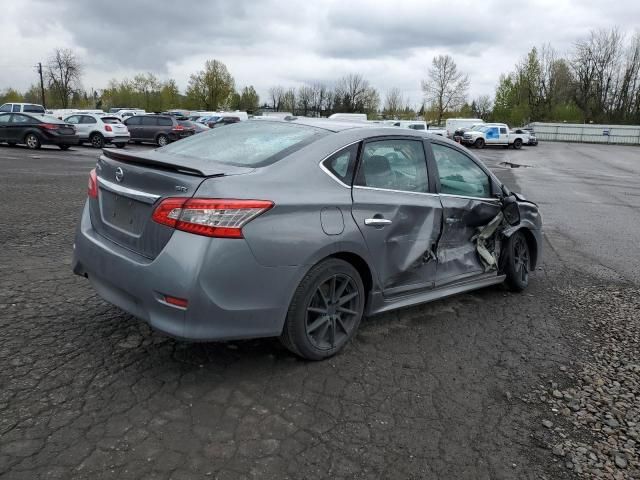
(149, 121)
(4, 118)
(503, 130)
(88, 119)
(342, 164)
(459, 175)
(17, 118)
(33, 109)
(394, 165)
(417, 126)
(254, 143)
(164, 122)
(16, 108)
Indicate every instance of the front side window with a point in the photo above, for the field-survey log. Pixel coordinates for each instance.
(132, 121)
(342, 164)
(73, 120)
(459, 175)
(394, 165)
(5, 108)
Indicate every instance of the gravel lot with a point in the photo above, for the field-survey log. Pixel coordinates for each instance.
(481, 386)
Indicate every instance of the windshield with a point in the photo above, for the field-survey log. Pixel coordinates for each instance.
(247, 144)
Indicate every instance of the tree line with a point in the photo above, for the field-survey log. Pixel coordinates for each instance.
(598, 80)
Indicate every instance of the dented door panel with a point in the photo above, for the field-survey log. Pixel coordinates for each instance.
(403, 250)
(457, 251)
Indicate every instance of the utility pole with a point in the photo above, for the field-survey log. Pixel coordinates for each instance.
(42, 85)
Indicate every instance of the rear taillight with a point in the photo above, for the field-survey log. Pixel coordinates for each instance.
(209, 217)
(177, 128)
(108, 128)
(49, 126)
(92, 187)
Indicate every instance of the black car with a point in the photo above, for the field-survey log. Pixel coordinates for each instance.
(158, 129)
(220, 121)
(35, 131)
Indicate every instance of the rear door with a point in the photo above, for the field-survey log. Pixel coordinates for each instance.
(397, 213)
(88, 125)
(466, 194)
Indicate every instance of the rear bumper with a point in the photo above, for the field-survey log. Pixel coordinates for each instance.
(229, 294)
(118, 139)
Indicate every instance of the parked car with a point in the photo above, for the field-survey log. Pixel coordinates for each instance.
(297, 229)
(453, 124)
(459, 133)
(99, 130)
(533, 140)
(22, 107)
(221, 121)
(195, 126)
(35, 131)
(158, 129)
(494, 134)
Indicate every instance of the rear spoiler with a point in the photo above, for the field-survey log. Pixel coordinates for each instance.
(151, 159)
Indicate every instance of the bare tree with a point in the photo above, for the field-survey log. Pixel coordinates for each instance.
(63, 72)
(318, 102)
(446, 88)
(289, 101)
(276, 94)
(351, 92)
(305, 99)
(394, 103)
(483, 106)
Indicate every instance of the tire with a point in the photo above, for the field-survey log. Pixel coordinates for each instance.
(120, 145)
(517, 262)
(479, 143)
(32, 141)
(63, 147)
(317, 325)
(517, 143)
(162, 140)
(97, 140)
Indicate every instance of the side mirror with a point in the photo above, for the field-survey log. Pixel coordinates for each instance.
(511, 210)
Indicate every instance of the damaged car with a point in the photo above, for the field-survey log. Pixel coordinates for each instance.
(297, 229)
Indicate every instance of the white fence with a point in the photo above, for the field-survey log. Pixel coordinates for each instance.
(587, 133)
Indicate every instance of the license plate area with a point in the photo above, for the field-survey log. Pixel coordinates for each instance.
(123, 213)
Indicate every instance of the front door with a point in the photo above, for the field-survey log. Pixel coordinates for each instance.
(467, 205)
(397, 213)
(492, 135)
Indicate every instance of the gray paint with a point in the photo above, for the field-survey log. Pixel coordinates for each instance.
(240, 288)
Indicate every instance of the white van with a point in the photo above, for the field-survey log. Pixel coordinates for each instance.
(124, 114)
(453, 124)
(22, 107)
(358, 117)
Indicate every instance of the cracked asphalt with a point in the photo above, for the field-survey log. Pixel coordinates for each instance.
(437, 391)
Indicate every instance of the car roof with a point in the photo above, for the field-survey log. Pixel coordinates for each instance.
(326, 123)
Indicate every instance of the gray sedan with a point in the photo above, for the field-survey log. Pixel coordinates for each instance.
(297, 229)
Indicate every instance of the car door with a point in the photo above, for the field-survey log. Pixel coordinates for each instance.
(468, 202)
(398, 213)
(75, 121)
(134, 127)
(88, 125)
(4, 127)
(492, 136)
(18, 126)
(149, 128)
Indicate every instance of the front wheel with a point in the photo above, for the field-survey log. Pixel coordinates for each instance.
(479, 143)
(325, 312)
(32, 141)
(517, 262)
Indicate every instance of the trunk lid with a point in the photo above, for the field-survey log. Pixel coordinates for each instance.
(129, 188)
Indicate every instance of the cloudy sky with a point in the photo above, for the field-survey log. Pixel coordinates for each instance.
(290, 42)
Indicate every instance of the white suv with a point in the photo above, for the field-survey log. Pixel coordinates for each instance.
(22, 108)
(99, 130)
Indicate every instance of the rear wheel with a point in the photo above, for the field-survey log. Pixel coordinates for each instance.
(517, 143)
(517, 262)
(162, 140)
(479, 143)
(32, 141)
(121, 145)
(97, 140)
(325, 311)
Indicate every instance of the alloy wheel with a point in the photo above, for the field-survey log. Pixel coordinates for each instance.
(32, 141)
(521, 259)
(332, 312)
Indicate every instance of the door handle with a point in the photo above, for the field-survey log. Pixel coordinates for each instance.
(377, 222)
(451, 220)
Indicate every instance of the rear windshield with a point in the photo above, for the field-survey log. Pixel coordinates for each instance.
(33, 109)
(247, 144)
(111, 120)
